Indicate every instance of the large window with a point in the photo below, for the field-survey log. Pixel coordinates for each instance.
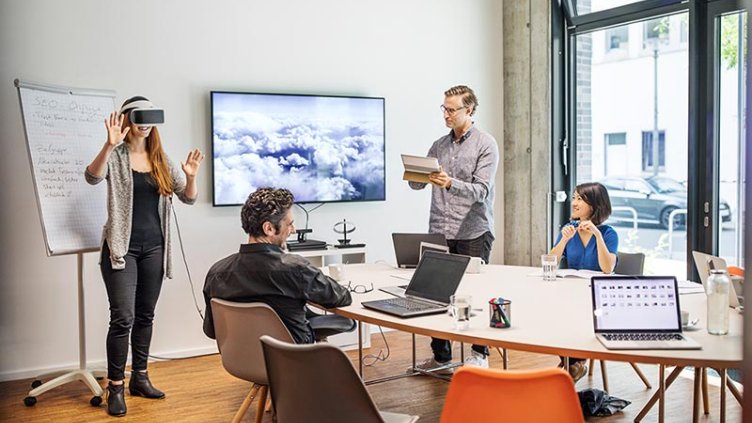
(654, 109)
(618, 98)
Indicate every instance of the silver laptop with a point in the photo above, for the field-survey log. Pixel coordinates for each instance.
(638, 313)
(435, 280)
(407, 249)
(705, 263)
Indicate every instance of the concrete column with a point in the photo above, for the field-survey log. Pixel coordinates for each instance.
(527, 128)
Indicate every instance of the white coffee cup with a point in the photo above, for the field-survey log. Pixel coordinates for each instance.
(474, 265)
(337, 272)
(684, 317)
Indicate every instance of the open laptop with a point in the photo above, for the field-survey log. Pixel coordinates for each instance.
(435, 280)
(705, 263)
(638, 313)
(407, 247)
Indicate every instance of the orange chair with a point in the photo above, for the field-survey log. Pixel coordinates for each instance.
(478, 395)
(735, 271)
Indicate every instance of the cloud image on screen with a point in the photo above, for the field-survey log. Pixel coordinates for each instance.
(322, 148)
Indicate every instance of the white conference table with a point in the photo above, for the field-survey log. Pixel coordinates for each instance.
(547, 317)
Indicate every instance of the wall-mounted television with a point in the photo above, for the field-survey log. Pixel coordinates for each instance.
(323, 148)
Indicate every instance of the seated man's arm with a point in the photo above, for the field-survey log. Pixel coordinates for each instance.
(325, 291)
(208, 317)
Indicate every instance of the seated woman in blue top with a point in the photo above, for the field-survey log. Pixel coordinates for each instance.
(585, 242)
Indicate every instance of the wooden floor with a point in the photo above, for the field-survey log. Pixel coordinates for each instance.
(199, 390)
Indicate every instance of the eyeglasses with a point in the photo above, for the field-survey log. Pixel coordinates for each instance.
(359, 289)
(449, 110)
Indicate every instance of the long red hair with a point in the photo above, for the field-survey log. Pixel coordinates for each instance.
(160, 171)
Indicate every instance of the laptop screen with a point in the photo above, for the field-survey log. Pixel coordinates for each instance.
(407, 246)
(636, 304)
(438, 275)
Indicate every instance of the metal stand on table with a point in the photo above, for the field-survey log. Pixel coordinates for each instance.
(89, 378)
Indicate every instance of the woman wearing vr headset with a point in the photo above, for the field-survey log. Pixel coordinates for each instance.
(136, 253)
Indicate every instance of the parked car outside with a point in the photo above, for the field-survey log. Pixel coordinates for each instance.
(653, 198)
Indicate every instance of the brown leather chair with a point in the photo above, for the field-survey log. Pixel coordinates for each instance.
(238, 327)
(318, 383)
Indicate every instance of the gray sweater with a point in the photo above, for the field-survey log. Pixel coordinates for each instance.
(117, 229)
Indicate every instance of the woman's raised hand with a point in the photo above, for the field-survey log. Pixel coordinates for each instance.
(587, 226)
(192, 163)
(567, 232)
(115, 132)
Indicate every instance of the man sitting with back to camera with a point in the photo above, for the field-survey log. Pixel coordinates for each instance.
(263, 272)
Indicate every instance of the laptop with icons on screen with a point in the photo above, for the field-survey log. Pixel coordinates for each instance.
(638, 313)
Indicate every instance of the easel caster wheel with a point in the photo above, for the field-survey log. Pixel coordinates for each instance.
(95, 401)
(35, 384)
(30, 401)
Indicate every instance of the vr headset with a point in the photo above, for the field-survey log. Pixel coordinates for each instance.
(143, 112)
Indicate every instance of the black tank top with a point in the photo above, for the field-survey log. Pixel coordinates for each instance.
(145, 226)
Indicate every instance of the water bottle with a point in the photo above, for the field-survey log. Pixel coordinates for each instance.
(717, 289)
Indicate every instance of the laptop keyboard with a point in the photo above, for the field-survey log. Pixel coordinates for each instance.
(408, 304)
(643, 337)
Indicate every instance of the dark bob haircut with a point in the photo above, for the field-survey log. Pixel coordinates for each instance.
(596, 196)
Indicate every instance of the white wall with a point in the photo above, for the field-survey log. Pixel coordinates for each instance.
(175, 52)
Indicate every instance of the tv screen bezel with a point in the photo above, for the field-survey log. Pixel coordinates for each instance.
(211, 140)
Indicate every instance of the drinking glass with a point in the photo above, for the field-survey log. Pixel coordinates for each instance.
(550, 264)
(460, 306)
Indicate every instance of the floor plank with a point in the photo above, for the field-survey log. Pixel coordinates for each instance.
(199, 390)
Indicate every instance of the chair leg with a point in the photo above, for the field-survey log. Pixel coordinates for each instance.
(641, 375)
(504, 357)
(261, 403)
(604, 374)
(268, 405)
(590, 367)
(246, 404)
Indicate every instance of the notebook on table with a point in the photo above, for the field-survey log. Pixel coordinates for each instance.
(705, 263)
(407, 248)
(638, 313)
(435, 280)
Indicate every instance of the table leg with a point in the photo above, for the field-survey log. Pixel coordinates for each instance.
(696, 396)
(414, 359)
(360, 350)
(705, 401)
(661, 392)
(722, 406)
(671, 378)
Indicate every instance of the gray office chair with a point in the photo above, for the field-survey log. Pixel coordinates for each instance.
(626, 264)
(629, 263)
(238, 327)
(318, 383)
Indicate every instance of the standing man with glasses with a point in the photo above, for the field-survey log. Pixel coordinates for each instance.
(462, 198)
(263, 272)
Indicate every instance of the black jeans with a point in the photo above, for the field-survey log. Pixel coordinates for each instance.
(133, 294)
(478, 247)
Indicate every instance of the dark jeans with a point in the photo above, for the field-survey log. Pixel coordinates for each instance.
(133, 294)
(478, 247)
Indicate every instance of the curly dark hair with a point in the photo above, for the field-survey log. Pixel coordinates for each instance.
(596, 196)
(265, 205)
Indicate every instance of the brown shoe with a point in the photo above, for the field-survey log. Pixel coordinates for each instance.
(577, 370)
